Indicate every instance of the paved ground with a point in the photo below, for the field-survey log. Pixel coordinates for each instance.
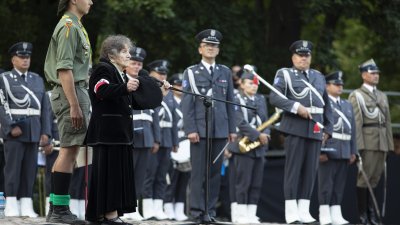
(41, 221)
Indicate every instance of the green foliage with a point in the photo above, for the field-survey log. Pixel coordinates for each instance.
(160, 8)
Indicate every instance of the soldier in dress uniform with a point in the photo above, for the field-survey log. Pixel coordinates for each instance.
(374, 135)
(337, 153)
(155, 183)
(215, 80)
(306, 103)
(25, 125)
(249, 166)
(146, 135)
(179, 171)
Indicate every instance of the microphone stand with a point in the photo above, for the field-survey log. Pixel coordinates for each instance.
(207, 102)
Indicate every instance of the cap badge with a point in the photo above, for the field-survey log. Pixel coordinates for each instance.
(24, 46)
(305, 43)
(212, 33)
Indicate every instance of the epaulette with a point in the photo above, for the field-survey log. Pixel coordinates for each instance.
(68, 23)
(316, 71)
(222, 65)
(281, 69)
(192, 66)
(34, 74)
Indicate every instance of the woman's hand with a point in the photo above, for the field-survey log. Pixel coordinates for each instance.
(132, 85)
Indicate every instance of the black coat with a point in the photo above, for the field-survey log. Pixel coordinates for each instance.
(111, 120)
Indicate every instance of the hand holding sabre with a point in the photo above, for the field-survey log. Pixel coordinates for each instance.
(301, 110)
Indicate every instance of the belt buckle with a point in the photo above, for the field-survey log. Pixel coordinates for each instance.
(28, 111)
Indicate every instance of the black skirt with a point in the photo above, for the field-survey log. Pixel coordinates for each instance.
(112, 185)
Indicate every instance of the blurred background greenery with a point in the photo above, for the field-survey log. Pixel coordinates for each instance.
(345, 33)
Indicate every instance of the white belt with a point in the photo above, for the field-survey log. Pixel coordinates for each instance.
(315, 110)
(27, 112)
(181, 133)
(344, 137)
(142, 116)
(165, 124)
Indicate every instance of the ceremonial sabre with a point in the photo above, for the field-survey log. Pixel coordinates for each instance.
(250, 69)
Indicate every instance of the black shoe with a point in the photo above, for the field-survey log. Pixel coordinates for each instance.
(296, 222)
(62, 214)
(115, 221)
(50, 212)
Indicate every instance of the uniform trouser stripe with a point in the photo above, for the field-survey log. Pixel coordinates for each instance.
(331, 181)
(155, 183)
(302, 157)
(249, 174)
(20, 168)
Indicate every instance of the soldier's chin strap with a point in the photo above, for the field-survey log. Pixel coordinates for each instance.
(370, 190)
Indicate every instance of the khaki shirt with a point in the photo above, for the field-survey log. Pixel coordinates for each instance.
(374, 132)
(69, 49)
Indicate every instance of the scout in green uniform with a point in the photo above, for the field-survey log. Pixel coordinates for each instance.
(66, 67)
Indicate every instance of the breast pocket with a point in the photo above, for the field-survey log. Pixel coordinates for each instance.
(83, 50)
(221, 88)
(203, 86)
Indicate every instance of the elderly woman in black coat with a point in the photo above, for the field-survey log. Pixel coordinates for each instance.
(110, 132)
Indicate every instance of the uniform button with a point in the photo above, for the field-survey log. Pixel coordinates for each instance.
(131, 116)
(130, 106)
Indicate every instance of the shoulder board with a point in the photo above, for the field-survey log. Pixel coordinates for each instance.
(68, 22)
(192, 66)
(316, 71)
(282, 69)
(223, 66)
(34, 74)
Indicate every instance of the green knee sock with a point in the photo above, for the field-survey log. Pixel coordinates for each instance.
(61, 200)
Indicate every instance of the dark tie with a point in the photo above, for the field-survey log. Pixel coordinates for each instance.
(23, 76)
(338, 103)
(305, 74)
(374, 92)
(211, 71)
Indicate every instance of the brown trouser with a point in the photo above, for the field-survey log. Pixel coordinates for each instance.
(373, 163)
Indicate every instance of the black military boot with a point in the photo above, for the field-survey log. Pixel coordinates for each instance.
(373, 217)
(62, 214)
(362, 205)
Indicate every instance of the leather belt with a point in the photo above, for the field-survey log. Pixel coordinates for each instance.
(340, 136)
(81, 83)
(27, 112)
(315, 110)
(373, 125)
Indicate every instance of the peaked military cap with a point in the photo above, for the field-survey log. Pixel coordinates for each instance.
(335, 78)
(209, 36)
(301, 47)
(250, 76)
(369, 66)
(160, 66)
(62, 6)
(21, 49)
(176, 79)
(137, 54)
